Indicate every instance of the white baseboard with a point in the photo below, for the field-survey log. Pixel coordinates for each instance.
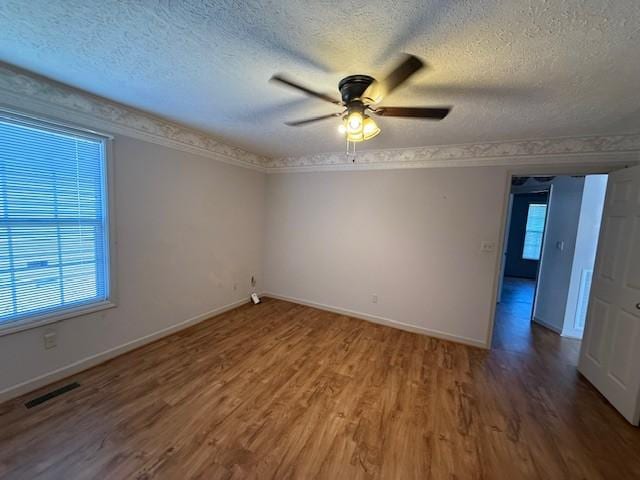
(576, 334)
(382, 321)
(93, 360)
(547, 325)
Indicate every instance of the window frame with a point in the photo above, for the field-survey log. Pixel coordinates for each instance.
(544, 223)
(106, 140)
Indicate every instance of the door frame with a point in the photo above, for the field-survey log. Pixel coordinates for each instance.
(535, 171)
(507, 232)
(544, 241)
(505, 242)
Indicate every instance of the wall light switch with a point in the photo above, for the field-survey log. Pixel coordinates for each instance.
(487, 247)
(560, 245)
(50, 340)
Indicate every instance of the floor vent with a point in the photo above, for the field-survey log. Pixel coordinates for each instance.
(48, 396)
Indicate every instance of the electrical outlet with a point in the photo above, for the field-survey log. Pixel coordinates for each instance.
(235, 287)
(374, 298)
(50, 340)
(487, 246)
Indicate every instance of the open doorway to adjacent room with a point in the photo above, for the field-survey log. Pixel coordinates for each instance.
(550, 243)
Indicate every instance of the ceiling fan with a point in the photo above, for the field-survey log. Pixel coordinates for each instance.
(360, 96)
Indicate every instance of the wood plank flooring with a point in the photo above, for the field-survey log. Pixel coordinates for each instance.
(281, 391)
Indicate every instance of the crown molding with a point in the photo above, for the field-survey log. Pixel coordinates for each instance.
(32, 93)
(564, 150)
(38, 95)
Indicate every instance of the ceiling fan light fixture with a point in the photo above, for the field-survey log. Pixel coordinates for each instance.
(354, 122)
(355, 137)
(358, 94)
(369, 128)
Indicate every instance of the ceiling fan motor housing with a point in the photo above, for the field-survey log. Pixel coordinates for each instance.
(352, 87)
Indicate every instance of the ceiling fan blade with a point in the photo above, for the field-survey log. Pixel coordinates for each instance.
(322, 96)
(298, 123)
(415, 112)
(405, 69)
(477, 91)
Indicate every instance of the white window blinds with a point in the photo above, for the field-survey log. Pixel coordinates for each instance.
(53, 225)
(534, 231)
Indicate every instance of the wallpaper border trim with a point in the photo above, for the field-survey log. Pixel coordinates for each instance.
(564, 150)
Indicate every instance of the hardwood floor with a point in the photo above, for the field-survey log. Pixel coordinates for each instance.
(281, 390)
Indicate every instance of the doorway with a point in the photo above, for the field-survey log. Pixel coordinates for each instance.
(586, 309)
(551, 237)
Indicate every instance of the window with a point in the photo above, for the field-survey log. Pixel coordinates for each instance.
(53, 221)
(534, 230)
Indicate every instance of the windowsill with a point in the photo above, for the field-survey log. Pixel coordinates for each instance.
(41, 320)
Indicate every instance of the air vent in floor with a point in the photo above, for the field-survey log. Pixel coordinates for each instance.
(48, 396)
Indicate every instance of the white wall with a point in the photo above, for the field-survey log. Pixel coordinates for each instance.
(595, 189)
(555, 266)
(188, 227)
(412, 237)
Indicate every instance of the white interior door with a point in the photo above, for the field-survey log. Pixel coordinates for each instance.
(610, 353)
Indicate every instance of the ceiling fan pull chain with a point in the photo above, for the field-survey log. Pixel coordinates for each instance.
(351, 151)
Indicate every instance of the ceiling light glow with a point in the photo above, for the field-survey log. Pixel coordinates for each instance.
(368, 129)
(354, 121)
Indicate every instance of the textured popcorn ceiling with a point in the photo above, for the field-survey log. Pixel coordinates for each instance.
(515, 69)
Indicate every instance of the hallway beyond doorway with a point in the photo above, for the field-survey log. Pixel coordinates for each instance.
(514, 331)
